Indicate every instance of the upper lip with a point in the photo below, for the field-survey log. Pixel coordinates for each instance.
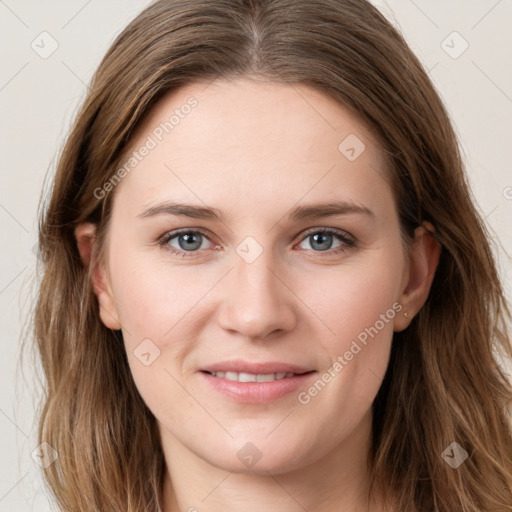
(263, 368)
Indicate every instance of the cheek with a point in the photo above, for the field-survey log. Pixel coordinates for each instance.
(161, 311)
(357, 306)
(151, 298)
(155, 308)
(355, 297)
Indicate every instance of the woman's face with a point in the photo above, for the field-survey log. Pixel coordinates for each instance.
(287, 277)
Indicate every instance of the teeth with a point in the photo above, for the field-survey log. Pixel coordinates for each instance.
(251, 377)
(245, 377)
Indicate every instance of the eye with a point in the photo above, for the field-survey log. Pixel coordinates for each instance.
(322, 239)
(184, 241)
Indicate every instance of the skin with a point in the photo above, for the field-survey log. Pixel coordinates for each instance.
(256, 150)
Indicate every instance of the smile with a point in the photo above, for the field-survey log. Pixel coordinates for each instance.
(255, 388)
(251, 377)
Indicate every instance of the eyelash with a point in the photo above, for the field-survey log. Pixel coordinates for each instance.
(348, 241)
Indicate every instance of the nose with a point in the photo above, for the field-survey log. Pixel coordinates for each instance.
(256, 300)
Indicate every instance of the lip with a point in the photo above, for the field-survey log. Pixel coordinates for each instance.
(241, 366)
(256, 392)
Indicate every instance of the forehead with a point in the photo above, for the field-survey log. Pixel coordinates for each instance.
(245, 138)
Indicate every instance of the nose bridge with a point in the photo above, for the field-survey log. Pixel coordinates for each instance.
(255, 276)
(256, 302)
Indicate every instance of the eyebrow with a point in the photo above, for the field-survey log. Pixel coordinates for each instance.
(311, 211)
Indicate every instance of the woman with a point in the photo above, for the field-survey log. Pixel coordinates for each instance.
(266, 285)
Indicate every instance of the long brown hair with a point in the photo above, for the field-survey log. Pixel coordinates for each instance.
(443, 383)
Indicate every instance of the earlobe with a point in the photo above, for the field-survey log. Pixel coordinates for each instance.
(423, 262)
(85, 239)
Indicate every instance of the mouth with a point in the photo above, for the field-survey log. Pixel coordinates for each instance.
(253, 377)
(254, 383)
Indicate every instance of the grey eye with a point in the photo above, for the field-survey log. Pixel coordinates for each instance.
(321, 241)
(190, 241)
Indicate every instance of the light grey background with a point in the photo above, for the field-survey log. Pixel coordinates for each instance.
(39, 97)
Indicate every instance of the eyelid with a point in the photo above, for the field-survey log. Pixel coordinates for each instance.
(175, 232)
(324, 229)
(169, 235)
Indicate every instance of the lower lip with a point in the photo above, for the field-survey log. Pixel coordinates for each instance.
(257, 392)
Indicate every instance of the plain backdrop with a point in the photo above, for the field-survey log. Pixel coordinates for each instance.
(465, 44)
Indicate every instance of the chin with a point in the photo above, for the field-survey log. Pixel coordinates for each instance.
(261, 457)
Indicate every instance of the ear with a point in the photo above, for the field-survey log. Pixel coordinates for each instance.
(85, 235)
(423, 260)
